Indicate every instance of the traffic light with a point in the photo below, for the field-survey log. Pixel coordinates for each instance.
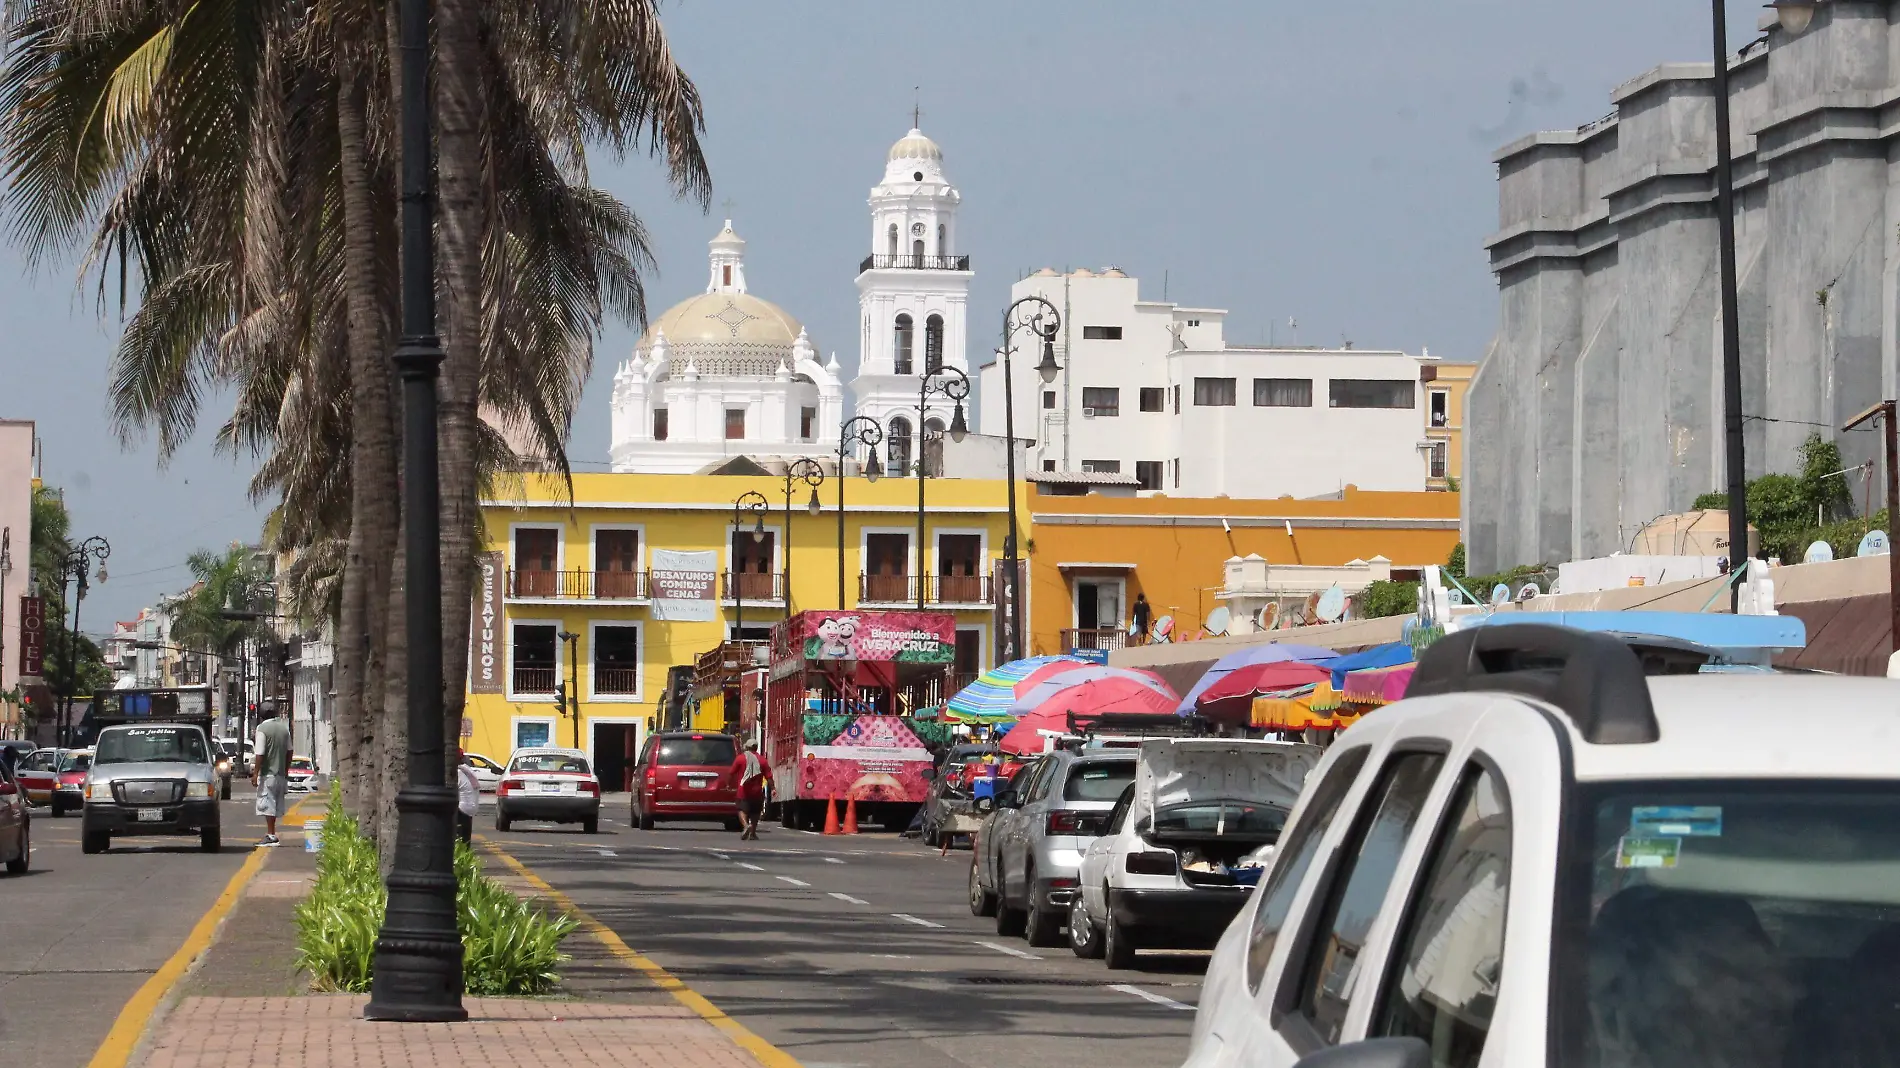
(560, 697)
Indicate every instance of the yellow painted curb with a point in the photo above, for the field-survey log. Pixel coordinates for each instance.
(764, 1052)
(119, 1042)
(294, 817)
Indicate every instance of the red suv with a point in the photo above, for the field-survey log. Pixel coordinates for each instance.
(686, 775)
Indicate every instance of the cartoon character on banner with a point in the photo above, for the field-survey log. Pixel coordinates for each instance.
(834, 637)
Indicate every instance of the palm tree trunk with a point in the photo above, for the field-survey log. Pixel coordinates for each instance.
(373, 490)
(463, 220)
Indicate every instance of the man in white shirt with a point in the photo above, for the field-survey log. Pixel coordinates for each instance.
(468, 796)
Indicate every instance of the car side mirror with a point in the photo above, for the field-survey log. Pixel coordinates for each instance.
(983, 805)
(1372, 1053)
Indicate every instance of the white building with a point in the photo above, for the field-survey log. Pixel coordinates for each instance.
(913, 299)
(1152, 389)
(720, 375)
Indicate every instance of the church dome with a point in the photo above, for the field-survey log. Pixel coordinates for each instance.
(725, 319)
(914, 145)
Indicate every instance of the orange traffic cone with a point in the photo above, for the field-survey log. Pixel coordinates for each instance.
(851, 816)
(831, 817)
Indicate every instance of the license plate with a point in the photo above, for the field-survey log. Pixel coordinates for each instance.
(698, 784)
(550, 787)
(151, 815)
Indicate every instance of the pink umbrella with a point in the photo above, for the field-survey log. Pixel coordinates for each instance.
(1030, 698)
(1048, 671)
(1086, 700)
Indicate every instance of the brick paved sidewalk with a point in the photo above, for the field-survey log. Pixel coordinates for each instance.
(328, 1031)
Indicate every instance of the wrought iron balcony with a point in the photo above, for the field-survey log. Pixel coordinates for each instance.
(534, 679)
(619, 681)
(1094, 638)
(914, 263)
(579, 585)
(754, 586)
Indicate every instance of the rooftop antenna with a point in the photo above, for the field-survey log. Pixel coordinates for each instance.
(917, 107)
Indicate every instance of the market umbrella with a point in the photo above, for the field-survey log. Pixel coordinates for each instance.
(1379, 686)
(1087, 699)
(989, 696)
(1379, 656)
(1231, 699)
(1125, 682)
(1270, 653)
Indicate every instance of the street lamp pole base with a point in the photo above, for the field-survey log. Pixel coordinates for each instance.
(418, 967)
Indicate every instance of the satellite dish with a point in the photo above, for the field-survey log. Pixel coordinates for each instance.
(1270, 615)
(1331, 604)
(1164, 630)
(1500, 594)
(1219, 620)
(1529, 591)
(1454, 596)
(1310, 613)
(1818, 553)
(1874, 544)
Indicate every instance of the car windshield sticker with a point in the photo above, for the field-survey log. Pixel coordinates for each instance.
(1676, 821)
(1635, 852)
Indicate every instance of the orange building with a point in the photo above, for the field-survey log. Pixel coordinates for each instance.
(1090, 556)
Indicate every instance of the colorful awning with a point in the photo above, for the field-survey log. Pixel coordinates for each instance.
(1297, 712)
(1378, 686)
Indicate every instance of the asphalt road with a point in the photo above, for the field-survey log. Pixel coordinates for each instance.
(860, 951)
(79, 934)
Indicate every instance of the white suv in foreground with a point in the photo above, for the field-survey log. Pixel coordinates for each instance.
(1579, 850)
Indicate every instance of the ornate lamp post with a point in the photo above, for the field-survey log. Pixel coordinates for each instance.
(73, 566)
(418, 963)
(573, 696)
(953, 384)
(860, 430)
(750, 501)
(811, 473)
(1040, 318)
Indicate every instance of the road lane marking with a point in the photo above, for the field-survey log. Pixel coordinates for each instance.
(1011, 950)
(833, 860)
(768, 1055)
(1153, 997)
(849, 900)
(750, 867)
(722, 856)
(789, 879)
(907, 918)
(606, 852)
(119, 1042)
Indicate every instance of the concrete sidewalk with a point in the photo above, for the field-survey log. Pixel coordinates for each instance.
(245, 1005)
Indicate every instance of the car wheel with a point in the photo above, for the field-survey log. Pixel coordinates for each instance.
(58, 809)
(982, 902)
(590, 825)
(1040, 927)
(94, 842)
(1009, 921)
(502, 822)
(208, 840)
(18, 865)
(1084, 937)
(1118, 947)
(646, 823)
(224, 790)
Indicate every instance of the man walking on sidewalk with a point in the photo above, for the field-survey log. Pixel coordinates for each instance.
(468, 797)
(748, 773)
(270, 770)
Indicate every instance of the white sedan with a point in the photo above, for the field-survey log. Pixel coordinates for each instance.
(487, 772)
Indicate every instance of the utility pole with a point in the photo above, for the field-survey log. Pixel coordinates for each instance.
(1884, 411)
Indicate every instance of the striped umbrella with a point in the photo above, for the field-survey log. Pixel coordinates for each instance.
(988, 698)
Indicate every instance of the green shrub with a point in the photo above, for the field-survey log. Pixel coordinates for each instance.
(509, 947)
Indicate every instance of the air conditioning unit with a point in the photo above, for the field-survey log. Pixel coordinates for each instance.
(1088, 413)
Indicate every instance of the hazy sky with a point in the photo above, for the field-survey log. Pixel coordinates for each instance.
(1326, 162)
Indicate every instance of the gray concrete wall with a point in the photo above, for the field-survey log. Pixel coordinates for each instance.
(1599, 405)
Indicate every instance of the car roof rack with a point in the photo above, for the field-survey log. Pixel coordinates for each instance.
(1596, 680)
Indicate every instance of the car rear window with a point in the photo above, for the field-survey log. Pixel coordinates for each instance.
(1220, 819)
(706, 751)
(1103, 781)
(76, 762)
(137, 745)
(534, 762)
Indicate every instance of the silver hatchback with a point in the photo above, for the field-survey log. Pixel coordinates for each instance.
(1026, 860)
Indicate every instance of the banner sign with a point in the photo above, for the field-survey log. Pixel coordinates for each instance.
(683, 584)
(485, 659)
(32, 637)
(1003, 624)
(903, 637)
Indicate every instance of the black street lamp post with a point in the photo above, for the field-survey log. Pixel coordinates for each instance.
(811, 473)
(74, 566)
(952, 384)
(573, 700)
(418, 964)
(860, 430)
(754, 502)
(1040, 318)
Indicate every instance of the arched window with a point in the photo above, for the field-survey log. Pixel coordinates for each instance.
(901, 354)
(933, 448)
(917, 250)
(933, 344)
(943, 240)
(893, 241)
(897, 447)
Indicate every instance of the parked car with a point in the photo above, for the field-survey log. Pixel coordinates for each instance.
(37, 774)
(1183, 846)
(487, 772)
(1026, 859)
(948, 793)
(302, 778)
(69, 791)
(150, 778)
(1542, 857)
(554, 785)
(16, 824)
(685, 775)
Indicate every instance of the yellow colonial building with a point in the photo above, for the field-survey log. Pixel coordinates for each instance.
(640, 573)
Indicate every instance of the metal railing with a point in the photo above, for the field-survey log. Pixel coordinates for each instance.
(754, 585)
(616, 680)
(1094, 638)
(534, 680)
(579, 585)
(886, 589)
(915, 263)
(959, 589)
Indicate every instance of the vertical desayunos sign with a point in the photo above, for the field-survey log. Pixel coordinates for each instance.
(683, 584)
(485, 660)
